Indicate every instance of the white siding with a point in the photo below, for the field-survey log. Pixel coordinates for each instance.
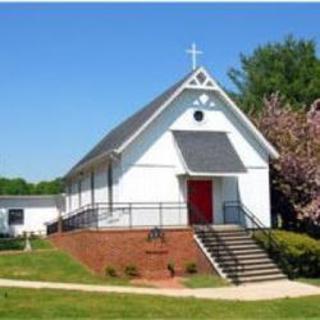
(85, 190)
(74, 196)
(151, 169)
(151, 164)
(217, 185)
(101, 184)
(37, 211)
(254, 192)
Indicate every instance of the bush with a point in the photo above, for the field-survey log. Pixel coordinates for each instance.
(110, 272)
(171, 268)
(301, 253)
(191, 267)
(131, 270)
(11, 244)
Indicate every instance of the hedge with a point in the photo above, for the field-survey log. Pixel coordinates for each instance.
(301, 253)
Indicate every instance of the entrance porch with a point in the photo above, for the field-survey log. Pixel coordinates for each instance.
(212, 198)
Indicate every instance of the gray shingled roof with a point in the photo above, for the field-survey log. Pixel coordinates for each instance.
(208, 152)
(116, 137)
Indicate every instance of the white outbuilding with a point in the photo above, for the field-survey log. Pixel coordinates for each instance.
(19, 214)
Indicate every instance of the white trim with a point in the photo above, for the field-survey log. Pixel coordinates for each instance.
(180, 156)
(215, 174)
(210, 258)
(159, 111)
(143, 165)
(200, 87)
(87, 165)
(241, 116)
(260, 138)
(185, 85)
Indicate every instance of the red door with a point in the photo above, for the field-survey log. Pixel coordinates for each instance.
(200, 200)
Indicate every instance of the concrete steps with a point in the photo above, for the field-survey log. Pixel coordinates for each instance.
(238, 255)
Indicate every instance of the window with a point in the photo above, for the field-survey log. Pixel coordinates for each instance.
(198, 116)
(16, 217)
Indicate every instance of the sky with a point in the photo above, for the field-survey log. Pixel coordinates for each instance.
(71, 72)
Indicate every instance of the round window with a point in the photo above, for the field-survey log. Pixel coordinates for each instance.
(198, 115)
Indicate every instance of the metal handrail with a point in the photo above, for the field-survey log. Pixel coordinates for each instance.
(225, 248)
(273, 243)
(90, 215)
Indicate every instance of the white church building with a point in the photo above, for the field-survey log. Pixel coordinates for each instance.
(189, 156)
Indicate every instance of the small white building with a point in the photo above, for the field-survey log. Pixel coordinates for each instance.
(19, 214)
(191, 147)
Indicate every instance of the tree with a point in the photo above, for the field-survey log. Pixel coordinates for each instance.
(19, 186)
(290, 67)
(49, 187)
(14, 186)
(295, 176)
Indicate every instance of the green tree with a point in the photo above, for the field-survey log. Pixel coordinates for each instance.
(49, 187)
(290, 67)
(19, 186)
(14, 186)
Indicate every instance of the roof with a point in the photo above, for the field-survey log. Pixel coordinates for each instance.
(118, 138)
(208, 152)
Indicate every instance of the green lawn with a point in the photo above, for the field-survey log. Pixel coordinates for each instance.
(51, 265)
(313, 281)
(204, 281)
(57, 266)
(51, 304)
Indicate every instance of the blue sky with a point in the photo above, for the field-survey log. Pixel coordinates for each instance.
(70, 72)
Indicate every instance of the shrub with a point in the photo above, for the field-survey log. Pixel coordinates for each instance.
(301, 252)
(191, 267)
(171, 268)
(11, 244)
(110, 271)
(131, 270)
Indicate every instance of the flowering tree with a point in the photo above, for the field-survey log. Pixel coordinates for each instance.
(295, 176)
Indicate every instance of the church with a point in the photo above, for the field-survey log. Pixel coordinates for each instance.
(190, 145)
(183, 180)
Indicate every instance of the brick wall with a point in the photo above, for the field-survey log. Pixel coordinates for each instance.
(119, 248)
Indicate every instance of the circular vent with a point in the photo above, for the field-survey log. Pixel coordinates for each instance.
(198, 116)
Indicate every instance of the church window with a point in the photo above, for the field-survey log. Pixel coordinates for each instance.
(198, 115)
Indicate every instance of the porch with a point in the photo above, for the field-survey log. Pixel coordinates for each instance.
(144, 215)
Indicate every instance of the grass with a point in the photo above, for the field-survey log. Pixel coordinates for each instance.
(52, 265)
(19, 244)
(55, 304)
(313, 281)
(58, 266)
(204, 281)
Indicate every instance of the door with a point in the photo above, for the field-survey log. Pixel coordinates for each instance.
(200, 200)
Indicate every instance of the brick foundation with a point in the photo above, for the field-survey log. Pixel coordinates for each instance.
(120, 248)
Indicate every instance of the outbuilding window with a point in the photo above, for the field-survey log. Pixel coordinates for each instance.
(15, 217)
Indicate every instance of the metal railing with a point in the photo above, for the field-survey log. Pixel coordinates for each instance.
(241, 215)
(122, 215)
(222, 249)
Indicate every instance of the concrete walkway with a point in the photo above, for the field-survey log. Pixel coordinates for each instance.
(248, 292)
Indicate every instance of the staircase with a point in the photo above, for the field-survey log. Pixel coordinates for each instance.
(236, 254)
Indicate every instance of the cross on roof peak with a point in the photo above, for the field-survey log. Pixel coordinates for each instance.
(194, 52)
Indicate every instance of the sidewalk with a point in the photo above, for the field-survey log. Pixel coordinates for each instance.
(248, 292)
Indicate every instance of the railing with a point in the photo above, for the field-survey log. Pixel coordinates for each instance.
(222, 248)
(122, 215)
(241, 215)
